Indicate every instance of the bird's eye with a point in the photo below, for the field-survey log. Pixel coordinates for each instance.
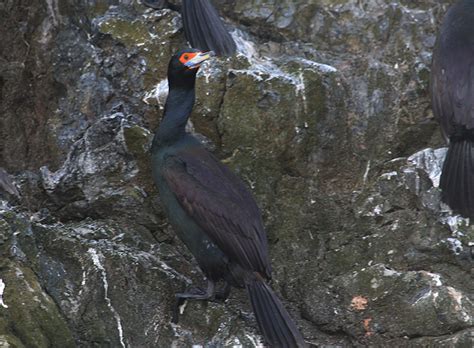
(186, 57)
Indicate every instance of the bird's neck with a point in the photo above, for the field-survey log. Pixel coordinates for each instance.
(178, 107)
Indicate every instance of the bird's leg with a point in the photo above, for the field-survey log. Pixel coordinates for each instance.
(155, 4)
(223, 294)
(173, 7)
(161, 4)
(196, 294)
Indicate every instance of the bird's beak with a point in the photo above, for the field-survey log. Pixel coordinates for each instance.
(198, 59)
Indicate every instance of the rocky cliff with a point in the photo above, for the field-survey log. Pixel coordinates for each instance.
(324, 112)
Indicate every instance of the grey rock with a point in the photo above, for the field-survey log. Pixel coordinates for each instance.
(7, 185)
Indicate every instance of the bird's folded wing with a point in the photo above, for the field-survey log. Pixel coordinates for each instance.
(452, 88)
(204, 28)
(220, 204)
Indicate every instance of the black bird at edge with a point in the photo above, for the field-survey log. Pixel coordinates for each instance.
(212, 211)
(452, 94)
(202, 25)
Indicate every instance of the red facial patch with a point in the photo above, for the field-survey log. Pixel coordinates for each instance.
(186, 57)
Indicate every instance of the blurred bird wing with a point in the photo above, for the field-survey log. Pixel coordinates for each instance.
(204, 29)
(221, 205)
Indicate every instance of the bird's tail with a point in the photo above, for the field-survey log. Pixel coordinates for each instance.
(457, 177)
(273, 320)
(204, 28)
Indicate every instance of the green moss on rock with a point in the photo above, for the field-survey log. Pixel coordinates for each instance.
(10, 341)
(31, 315)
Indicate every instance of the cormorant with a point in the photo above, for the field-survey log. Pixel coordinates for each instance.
(212, 211)
(452, 93)
(203, 28)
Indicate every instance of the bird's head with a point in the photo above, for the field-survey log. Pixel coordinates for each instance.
(184, 66)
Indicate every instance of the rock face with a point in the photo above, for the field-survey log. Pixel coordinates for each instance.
(324, 113)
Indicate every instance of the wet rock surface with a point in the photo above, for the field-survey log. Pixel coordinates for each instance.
(324, 113)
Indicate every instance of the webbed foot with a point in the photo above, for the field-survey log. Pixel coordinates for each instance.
(196, 294)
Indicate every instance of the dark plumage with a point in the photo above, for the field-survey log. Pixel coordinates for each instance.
(203, 28)
(452, 92)
(212, 211)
